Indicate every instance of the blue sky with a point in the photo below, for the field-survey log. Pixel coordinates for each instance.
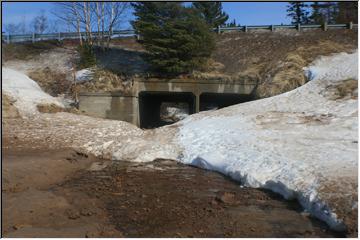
(245, 13)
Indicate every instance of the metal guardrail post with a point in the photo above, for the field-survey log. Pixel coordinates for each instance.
(298, 27)
(245, 28)
(325, 26)
(272, 28)
(8, 38)
(218, 30)
(33, 37)
(350, 25)
(59, 36)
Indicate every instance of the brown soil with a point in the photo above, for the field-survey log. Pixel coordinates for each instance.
(63, 193)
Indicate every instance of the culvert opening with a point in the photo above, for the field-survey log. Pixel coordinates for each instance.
(157, 109)
(212, 101)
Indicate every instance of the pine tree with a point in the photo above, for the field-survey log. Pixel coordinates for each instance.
(176, 39)
(316, 16)
(348, 12)
(212, 13)
(231, 24)
(297, 12)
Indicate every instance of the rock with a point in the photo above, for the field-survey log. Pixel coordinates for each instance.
(86, 212)
(72, 214)
(226, 197)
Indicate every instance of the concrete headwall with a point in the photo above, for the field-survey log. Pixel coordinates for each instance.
(126, 108)
(110, 106)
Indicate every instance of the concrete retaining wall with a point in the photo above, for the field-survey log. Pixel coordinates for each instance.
(110, 106)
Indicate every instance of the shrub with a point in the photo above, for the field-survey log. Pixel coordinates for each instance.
(87, 56)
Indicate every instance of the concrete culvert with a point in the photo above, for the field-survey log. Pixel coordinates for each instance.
(151, 104)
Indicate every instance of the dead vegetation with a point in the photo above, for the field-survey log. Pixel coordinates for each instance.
(26, 51)
(344, 90)
(104, 81)
(8, 108)
(52, 82)
(53, 108)
(275, 60)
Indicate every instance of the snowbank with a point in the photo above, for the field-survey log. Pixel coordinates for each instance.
(25, 91)
(84, 75)
(299, 144)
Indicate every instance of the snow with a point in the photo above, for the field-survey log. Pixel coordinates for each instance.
(299, 144)
(84, 75)
(25, 91)
(173, 112)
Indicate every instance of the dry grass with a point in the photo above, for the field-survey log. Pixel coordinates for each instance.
(344, 90)
(8, 108)
(53, 108)
(53, 83)
(105, 80)
(275, 60)
(26, 51)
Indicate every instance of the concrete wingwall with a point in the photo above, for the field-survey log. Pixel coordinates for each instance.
(112, 105)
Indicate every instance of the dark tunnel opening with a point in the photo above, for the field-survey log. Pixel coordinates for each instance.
(209, 101)
(150, 104)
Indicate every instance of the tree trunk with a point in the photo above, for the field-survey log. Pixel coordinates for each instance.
(98, 22)
(103, 25)
(77, 22)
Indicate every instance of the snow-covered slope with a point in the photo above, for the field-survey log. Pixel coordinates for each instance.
(25, 91)
(300, 144)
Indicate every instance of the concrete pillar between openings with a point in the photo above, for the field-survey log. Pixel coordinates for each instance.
(197, 103)
(325, 26)
(351, 25)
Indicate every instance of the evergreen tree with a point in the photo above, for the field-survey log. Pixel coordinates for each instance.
(176, 39)
(297, 12)
(231, 24)
(347, 12)
(316, 16)
(325, 12)
(211, 12)
(330, 11)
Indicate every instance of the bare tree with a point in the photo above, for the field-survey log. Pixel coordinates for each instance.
(115, 11)
(70, 14)
(11, 28)
(22, 25)
(40, 23)
(87, 16)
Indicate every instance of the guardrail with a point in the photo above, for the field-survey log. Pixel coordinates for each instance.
(298, 27)
(119, 33)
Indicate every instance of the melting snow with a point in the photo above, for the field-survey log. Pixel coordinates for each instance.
(299, 144)
(84, 75)
(25, 91)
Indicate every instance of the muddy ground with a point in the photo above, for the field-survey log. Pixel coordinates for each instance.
(63, 193)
